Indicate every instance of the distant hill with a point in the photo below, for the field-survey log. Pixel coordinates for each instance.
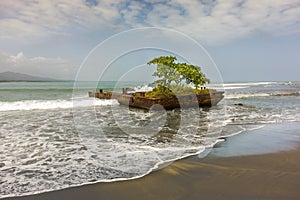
(13, 76)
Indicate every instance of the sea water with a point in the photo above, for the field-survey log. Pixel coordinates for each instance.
(51, 139)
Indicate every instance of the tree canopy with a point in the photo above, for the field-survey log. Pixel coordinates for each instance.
(169, 72)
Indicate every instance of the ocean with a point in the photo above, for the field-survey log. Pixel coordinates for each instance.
(53, 136)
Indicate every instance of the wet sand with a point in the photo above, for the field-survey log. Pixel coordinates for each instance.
(234, 169)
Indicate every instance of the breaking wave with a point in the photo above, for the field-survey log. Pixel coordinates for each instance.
(54, 104)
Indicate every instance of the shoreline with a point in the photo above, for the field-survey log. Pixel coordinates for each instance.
(229, 162)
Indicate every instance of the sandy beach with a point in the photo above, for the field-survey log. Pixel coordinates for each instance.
(233, 169)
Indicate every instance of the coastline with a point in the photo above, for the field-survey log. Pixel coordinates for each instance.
(271, 171)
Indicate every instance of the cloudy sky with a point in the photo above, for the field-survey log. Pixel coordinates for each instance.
(249, 40)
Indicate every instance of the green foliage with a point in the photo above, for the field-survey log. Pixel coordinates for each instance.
(162, 91)
(166, 71)
(170, 72)
(192, 74)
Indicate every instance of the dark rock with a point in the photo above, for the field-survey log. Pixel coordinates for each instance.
(238, 104)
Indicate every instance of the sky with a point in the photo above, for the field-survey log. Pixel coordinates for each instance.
(247, 40)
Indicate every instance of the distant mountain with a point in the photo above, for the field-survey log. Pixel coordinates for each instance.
(13, 76)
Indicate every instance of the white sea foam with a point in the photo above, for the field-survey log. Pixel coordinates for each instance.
(245, 95)
(143, 88)
(232, 86)
(53, 104)
(249, 84)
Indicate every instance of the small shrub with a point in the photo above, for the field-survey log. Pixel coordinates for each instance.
(161, 91)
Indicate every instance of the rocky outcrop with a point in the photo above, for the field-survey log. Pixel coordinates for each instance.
(139, 100)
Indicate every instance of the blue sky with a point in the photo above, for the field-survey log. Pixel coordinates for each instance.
(249, 40)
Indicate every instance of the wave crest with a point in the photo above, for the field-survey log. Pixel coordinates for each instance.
(53, 104)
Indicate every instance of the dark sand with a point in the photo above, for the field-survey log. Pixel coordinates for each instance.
(228, 172)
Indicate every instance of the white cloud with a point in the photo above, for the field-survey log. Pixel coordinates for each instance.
(211, 22)
(39, 66)
(23, 19)
(18, 58)
(223, 21)
(230, 20)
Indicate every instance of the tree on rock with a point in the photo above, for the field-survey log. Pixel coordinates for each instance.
(170, 72)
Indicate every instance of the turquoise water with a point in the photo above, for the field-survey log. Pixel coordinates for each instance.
(18, 91)
(53, 136)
